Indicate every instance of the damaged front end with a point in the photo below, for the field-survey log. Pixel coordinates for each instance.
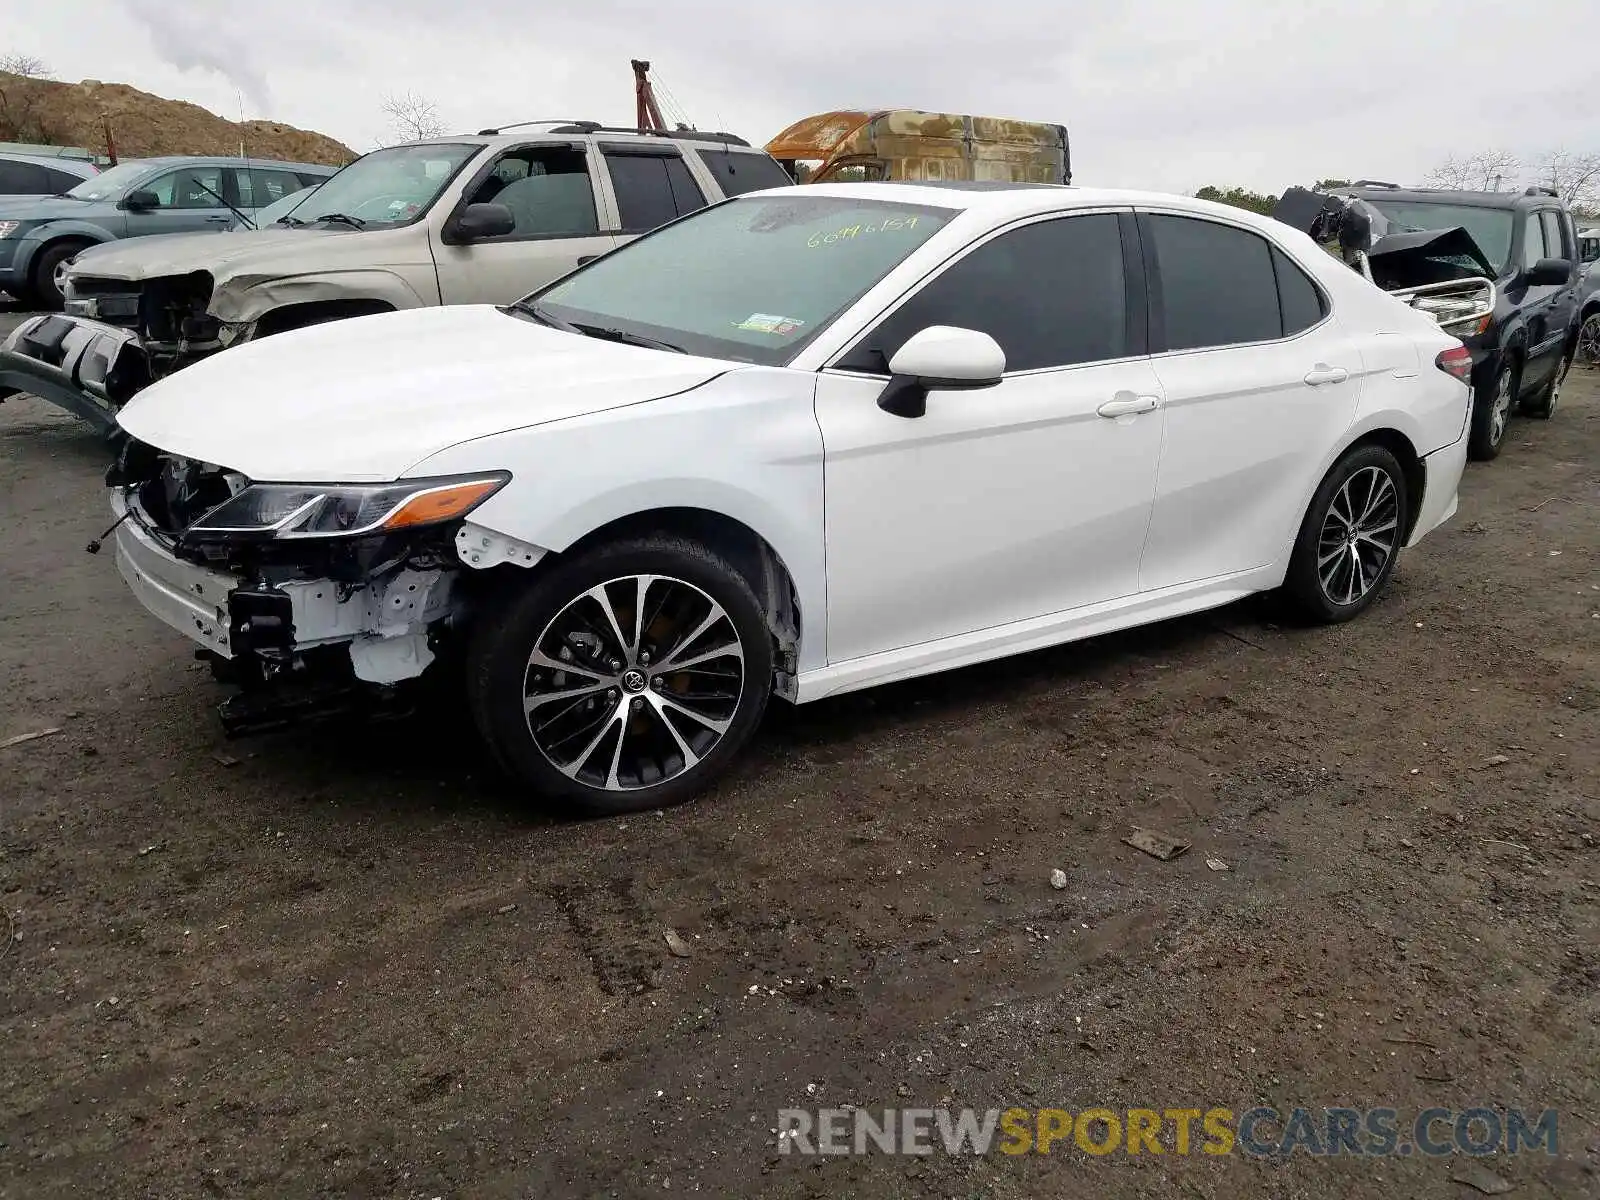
(311, 599)
(1439, 272)
(114, 338)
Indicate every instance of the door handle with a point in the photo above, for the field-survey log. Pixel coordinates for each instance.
(1322, 373)
(1126, 406)
(584, 260)
(219, 220)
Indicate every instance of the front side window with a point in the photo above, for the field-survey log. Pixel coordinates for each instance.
(651, 189)
(188, 187)
(753, 279)
(1556, 242)
(1218, 286)
(1533, 248)
(547, 190)
(389, 187)
(1052, 293)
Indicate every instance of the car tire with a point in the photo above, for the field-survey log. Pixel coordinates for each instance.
(1586, 345)
(1362, 504)
(558, 668)
(1544, 404)
(1491, 411)
(42, 280)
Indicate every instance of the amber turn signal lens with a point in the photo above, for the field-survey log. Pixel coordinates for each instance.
(440, 504)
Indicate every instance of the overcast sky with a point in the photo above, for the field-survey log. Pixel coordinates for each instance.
(1158, 94)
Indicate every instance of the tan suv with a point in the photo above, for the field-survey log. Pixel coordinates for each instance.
(479, 219)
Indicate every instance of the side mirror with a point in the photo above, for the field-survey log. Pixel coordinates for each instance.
(1548, 272)
(941, 357)
(478, 221)
(141, 201)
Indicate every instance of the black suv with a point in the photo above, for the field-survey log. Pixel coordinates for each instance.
(1520, 353)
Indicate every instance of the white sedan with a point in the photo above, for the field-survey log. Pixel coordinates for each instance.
(801, 442)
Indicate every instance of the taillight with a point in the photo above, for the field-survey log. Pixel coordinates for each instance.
(1455, 361)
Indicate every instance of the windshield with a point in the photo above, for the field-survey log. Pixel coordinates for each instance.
(1489, 227)
(110, 183)
(752, 279)
(388, 187)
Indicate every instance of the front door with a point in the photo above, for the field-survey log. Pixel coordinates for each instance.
(1260, 381)
(1021, 500)
(190, 202)
(550, 192)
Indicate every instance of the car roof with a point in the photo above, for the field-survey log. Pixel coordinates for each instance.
(228, 161)
(1416, 195)
(72, 166)
(1000, 201)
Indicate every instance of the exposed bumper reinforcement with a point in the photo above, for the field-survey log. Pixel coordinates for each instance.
(84, 367)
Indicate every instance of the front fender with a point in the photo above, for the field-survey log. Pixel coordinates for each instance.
(38, 238)
(248, 298)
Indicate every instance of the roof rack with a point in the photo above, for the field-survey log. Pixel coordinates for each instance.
(567, 126)
(1537, 190)
(1375, 183)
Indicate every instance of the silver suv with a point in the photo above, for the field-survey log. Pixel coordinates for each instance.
(478, 219)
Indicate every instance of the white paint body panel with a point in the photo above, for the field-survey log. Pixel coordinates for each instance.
(1004, 520)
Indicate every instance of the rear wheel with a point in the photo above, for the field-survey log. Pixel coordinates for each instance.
(1544, 404)
(627, 678)
(1350, 537)
(1491, 411)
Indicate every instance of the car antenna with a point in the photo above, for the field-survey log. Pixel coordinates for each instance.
(239, 95)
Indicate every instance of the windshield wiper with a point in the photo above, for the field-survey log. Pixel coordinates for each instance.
(544, 317)
(630, 339)
(342, 219)
(289, 221)
(215, 196)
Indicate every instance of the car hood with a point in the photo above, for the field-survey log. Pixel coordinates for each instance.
(50, 208)
(221, 253)
(364, 399)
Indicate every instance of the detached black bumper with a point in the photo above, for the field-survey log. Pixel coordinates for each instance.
(84, 367)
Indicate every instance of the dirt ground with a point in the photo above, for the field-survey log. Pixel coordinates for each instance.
(353, 964)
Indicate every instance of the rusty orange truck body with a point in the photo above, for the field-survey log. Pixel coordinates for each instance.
(911, 144)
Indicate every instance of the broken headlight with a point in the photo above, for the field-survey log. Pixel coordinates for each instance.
(288, 510)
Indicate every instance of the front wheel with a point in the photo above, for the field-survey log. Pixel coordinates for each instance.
(1544, 404)
(49, 281)
(1350, 537)
(627, 678)
(1491, 413)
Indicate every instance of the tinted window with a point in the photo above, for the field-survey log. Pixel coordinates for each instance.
(1302, 303)
(259, 187)
(547, 191)
(22, 179)
(57, 182)
(1556, 241)
(1051, 293)
(1217, 284)
(1532, 240)
(652, 189)
(738, 173)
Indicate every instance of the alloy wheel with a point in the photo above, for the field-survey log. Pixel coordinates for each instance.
(1500, 413)
(1359, 535)
(60, 277)
(633, 682)
(1587, 350)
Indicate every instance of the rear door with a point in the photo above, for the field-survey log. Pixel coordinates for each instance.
(1561, 241)
(1260, 380)
(651, 185)
(560, 220)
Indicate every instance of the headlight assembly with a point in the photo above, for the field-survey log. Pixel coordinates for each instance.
(286, 510)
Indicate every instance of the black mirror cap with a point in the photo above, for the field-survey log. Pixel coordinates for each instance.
(141, 200)
(1549, 272)
(476, 222)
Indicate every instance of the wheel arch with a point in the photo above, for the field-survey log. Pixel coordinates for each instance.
(314, 312)
(1405, 452)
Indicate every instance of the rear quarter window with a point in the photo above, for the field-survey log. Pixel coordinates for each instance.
(738, 172)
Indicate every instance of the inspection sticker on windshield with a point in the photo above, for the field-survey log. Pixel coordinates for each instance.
(767, 323)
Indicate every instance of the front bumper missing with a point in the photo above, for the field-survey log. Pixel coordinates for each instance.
(85, 367)
(383, 623)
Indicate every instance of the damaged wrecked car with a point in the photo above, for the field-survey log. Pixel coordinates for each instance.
(756, 453)
(1496, 269)
(466, 219)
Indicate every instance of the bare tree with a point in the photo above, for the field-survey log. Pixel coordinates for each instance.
(412, 118)
(1485, 171)
(1575, 177)
(25, 65)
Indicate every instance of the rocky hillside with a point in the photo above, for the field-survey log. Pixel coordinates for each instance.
(74, 114)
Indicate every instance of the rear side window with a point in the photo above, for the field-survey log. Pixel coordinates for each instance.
(1051, 293)
(57, 182)
(652, 189)
(1300, 299)
(23, 179)
(1218, 286)
(737, 173)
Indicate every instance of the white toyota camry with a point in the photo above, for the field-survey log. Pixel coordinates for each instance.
(801, 442)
